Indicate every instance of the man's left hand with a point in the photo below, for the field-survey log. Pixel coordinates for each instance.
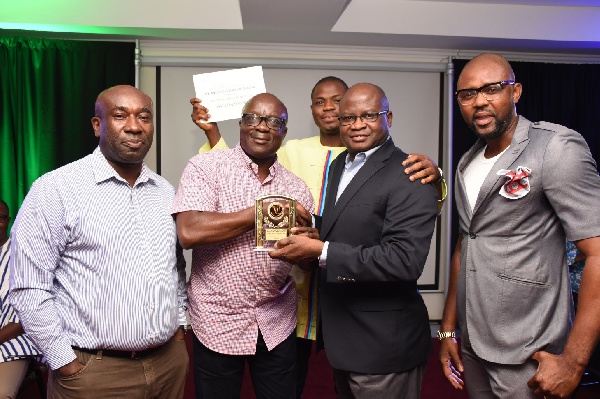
(303, 217)
(297, 248)
(309, 232)
(556, 376)
(421, 167)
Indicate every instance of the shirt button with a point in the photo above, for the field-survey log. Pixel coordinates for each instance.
(472, 235)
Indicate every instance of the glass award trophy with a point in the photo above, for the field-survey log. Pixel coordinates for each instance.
(275, 216)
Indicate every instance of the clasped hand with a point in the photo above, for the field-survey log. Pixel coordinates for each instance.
(557, 376)
(300, 247)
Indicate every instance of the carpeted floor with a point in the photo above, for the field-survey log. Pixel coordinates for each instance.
(319, 384)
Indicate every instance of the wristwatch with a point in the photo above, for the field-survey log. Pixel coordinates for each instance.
(443, 187)
(445, 334)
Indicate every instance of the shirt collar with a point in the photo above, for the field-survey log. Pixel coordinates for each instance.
(104, 171)
(253, 166)
(365, 154)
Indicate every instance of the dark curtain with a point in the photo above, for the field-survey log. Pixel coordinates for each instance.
(567, 94)
(47, 94)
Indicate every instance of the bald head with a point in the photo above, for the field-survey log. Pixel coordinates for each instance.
(261, 141)
(485, 65)
(365, 118)
(492, 119)
(124, 124)
(109, 95)
(366, 92)
(267, 98)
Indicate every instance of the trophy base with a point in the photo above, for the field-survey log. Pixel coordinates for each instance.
(264, 249)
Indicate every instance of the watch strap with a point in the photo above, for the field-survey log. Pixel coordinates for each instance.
(445, 334)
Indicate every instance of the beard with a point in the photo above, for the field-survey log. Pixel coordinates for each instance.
(500, 126)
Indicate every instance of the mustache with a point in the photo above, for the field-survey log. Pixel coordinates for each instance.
(266, 137)
(480, 110)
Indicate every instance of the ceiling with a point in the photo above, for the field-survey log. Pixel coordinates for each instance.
(544, 26)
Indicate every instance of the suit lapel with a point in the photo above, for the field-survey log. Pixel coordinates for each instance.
(332, 209)
(493, 182)
(462, 200)
(332, 188)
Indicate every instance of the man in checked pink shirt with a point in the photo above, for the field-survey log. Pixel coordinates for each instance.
(242, 302)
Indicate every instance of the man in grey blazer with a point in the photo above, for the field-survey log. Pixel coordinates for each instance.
(375, 235)
(521, 190)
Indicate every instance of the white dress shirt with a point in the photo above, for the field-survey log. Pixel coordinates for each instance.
(351, 168)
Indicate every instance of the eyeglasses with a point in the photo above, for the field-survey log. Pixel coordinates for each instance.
(4, 217)
(366, 118)
(490, 91)
(255, 120)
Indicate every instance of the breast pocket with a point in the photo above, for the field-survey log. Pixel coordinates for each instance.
(365, 200)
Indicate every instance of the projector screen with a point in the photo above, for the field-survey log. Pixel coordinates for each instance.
(415, 99)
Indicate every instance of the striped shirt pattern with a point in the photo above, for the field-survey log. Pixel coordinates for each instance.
(95, 262)
(19, 347)
(233, 290)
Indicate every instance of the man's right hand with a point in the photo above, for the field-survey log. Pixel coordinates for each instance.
(70, 368)
(199, 116)
(451, 363)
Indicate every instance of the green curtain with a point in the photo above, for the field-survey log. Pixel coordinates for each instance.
(47, 94)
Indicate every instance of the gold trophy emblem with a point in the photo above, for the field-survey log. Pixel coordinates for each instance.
(275, 216)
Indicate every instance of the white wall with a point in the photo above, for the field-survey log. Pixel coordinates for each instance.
(413, 93)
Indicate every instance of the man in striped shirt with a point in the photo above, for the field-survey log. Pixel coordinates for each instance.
(97, 278)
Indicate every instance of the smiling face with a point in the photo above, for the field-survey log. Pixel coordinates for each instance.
(489, 119)
(360, 99)
(325, 105)
(123, 122)
(260, 142)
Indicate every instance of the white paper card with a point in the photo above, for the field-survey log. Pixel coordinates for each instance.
(224, 93)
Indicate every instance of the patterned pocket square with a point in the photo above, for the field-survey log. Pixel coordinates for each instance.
(517, 183)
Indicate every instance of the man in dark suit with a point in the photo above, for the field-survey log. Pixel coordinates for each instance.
(375, 235)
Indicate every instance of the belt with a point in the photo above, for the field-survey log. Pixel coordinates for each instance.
(134, 355)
